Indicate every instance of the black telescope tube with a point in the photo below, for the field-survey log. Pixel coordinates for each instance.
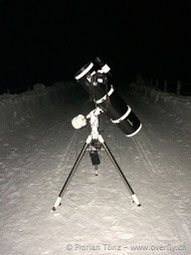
(107, 98)
(83, 76)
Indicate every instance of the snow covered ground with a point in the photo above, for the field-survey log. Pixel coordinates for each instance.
(97, 216)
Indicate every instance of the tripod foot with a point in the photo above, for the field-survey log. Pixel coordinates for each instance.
(57, 203)
(135, 199)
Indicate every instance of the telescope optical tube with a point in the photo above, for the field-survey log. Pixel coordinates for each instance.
(95, 79)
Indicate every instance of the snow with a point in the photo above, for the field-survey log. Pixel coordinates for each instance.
(178, 105)
(97, 216)
(15, 108)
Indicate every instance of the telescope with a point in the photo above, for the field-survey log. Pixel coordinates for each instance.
(95, 78)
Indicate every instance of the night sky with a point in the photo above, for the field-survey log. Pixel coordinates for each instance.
(47, 41)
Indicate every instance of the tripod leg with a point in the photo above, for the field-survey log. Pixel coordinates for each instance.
(58, 201)
(134, 197)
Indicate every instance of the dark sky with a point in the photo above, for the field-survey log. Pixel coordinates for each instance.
(47, 41)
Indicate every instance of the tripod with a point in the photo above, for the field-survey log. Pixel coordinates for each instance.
(94, 141)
